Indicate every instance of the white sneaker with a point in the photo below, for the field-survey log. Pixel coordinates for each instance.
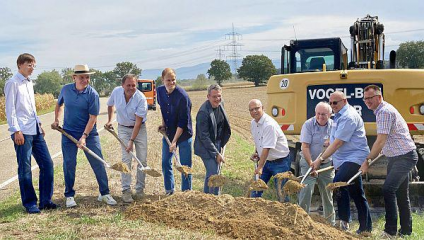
(344, 226)
(108, 199)
(70, 202)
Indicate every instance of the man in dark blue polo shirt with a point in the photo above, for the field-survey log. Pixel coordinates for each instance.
(82, 106)
(175, 107)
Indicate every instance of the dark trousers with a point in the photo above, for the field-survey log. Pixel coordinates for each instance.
(354, 191)
(396, 193)
(35, 145)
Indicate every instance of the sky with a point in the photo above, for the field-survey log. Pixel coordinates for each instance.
(182, 33)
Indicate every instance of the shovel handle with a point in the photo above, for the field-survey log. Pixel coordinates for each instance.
(178, 163)
(86, 149)
(112, 131)
(360, 172)
(221, 163)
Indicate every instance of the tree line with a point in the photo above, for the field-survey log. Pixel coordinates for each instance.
(254, 68)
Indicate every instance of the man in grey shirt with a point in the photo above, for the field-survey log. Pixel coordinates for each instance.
(314, 136)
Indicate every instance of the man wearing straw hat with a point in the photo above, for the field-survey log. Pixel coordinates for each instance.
(394, 140)
(131, 111)
(28, 137)
(82, 106)
(212, 133)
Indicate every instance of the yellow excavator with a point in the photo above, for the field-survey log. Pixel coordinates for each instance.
(312, 69)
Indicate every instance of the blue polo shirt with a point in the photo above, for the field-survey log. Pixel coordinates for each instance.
(176, 112)
(348, 126)
(78, 107)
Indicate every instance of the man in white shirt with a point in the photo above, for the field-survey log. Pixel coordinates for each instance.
(28, 136)
(271, 147)
(131, 111)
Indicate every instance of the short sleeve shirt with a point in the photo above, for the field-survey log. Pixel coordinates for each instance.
(79, 105)
(390, 122)
(268, 134)
(348, 126)
(126, 111)
(315, 135)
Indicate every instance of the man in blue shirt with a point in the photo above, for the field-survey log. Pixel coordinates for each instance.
(28, 136)
(349, 148)
(175, 106)
(82, 106)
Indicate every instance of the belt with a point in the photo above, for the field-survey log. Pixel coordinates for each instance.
(128, 126)
(278, 159)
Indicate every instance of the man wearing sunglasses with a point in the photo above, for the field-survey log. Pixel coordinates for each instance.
(349, 148)
(395, 142)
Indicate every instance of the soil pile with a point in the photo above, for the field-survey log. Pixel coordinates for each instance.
(252, 218)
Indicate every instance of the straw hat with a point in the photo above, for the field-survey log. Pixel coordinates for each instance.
(82, 69)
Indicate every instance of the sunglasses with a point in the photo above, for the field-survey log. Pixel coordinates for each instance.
(335, 102)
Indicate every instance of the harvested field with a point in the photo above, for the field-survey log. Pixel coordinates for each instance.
(238, 217)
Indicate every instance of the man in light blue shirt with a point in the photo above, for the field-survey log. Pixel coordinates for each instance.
(349, 148)
(314, 137)
(131, 114)
(28, 137)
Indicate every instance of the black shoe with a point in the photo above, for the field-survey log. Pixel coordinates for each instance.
(403, 234)
(33, 210)
(359, 231)
(49, 206)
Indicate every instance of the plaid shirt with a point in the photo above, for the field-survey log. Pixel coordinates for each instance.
(390, 122)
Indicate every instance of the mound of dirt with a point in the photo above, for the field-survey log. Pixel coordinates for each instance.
(251, 218)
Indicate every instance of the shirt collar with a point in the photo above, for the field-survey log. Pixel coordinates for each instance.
(343, 110)
(379, 107)
(262, 120)
(22, 78)
(317, 124)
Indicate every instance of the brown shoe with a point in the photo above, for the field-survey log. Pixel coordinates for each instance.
(126, 197)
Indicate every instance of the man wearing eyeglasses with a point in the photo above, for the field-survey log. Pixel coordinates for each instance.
(349, 148)
(271, 147)
(314, 137)
(28, 137)
(395, 142)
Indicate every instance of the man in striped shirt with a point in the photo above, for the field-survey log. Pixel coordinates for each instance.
(395, 142)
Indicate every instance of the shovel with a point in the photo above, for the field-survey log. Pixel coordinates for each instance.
(186, 170)
(121, 167)
(335, 185)
(258, 184)
(145, 169)
(217, 180)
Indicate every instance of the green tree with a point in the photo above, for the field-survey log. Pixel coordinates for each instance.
(112, 81)
(411, 54)
(48, 82)
(66, 74)
(201, 83)
(5, 74)
(257, 69)
(220, 70)
(126, 67)
(159, 81)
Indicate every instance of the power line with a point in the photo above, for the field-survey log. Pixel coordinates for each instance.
(234, 45)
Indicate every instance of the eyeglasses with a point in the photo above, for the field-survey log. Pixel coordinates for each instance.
(335, 102)
(254, 109)
(369, 98)
(31, 65)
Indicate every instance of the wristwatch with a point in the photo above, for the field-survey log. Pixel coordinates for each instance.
(321, 159)
(85, 134)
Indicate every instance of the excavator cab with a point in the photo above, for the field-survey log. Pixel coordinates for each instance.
(311, 55)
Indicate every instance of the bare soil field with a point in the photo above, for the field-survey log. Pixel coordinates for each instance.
(188, 215)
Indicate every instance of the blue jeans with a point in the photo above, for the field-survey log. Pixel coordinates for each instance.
(211, 168)
(185, 159)
(272, 168)
(70, 149)
(356, 191)
(396, 193)
(35, 145)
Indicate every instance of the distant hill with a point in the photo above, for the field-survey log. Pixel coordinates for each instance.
(187, 72)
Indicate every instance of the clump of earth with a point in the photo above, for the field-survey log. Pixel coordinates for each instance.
(234, 217)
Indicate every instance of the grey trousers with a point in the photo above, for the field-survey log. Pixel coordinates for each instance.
(140, 143)
(306, 193)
